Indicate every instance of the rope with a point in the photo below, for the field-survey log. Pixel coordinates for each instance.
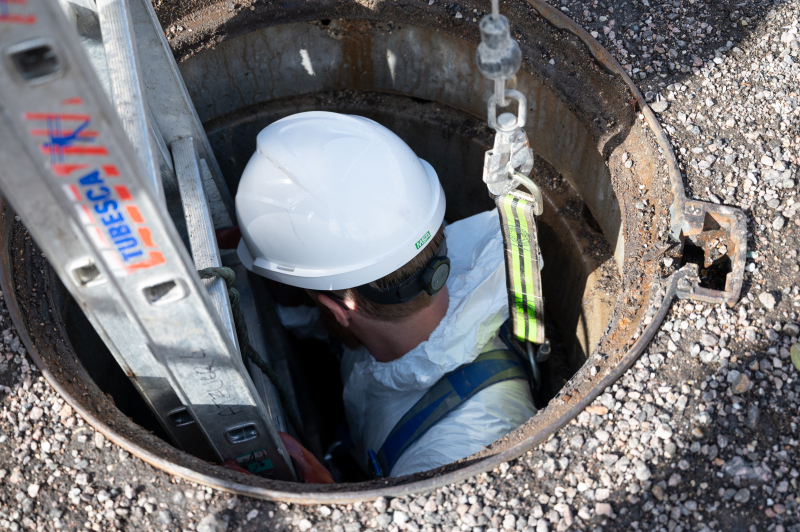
(248, 350)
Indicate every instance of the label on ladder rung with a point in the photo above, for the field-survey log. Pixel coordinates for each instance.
(256, 462)
(103, 204)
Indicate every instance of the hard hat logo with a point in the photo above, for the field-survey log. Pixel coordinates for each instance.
(421, 242)
(312, 214)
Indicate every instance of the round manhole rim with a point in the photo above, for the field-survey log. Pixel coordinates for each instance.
(316, 495)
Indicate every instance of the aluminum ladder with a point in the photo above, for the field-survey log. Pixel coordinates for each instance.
(93, 185)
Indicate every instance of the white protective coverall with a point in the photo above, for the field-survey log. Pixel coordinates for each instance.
(378, 394)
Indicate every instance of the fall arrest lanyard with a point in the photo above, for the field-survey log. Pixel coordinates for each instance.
(506, 166)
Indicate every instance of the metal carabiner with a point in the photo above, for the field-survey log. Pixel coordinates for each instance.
(533, 188)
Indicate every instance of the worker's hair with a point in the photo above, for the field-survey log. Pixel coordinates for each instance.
(401, 310)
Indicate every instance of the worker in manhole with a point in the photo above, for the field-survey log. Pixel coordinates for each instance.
(342, 207)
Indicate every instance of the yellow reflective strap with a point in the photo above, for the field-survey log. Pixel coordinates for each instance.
(516, 277)
(528, 266)
(525, 302)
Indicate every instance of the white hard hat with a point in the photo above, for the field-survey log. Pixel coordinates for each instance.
(332, 201)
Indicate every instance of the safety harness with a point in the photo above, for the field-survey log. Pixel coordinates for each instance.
(450, 392)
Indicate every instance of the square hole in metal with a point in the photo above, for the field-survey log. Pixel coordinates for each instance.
(180, 417)
(242, 433)
(714, 272)
(88, 274)
(166, 292)
(35, 61)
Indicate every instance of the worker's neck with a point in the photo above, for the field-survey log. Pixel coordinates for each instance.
(388, 341)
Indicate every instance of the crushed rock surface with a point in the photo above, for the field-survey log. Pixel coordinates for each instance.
(701, 434)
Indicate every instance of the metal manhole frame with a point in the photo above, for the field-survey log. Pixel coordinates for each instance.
(687, 219)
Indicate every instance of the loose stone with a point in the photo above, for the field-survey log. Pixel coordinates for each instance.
(659, 106)
(602, 508)
(380, 504)
(767, 299)
(751, 421)
(212, 523)
(742, 496)
(165, 518)
(740, 383)
(664, 432)
(597, 410)
(400, 517)
(709, 339)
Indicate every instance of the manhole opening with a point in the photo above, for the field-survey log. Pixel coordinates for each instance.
(454, 143)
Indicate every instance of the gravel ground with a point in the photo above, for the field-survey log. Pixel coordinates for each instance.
(700, 435)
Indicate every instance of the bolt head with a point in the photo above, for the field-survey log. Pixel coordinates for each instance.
(506, 120)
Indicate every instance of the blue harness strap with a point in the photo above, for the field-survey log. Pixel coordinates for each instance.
(452, 390)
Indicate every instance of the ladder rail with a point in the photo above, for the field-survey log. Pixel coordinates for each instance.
(86, 20)
(172, 106)
(127, 88)
(84, 166)
(90, 32)
(201, 230)
(102, 307)
(206, 254)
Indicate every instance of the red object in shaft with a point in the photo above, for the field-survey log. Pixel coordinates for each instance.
(228, 238)
(310, 469)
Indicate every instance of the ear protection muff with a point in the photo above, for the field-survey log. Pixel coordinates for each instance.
(430, 279)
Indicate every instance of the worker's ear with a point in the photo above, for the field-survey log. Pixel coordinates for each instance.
(342, 310)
